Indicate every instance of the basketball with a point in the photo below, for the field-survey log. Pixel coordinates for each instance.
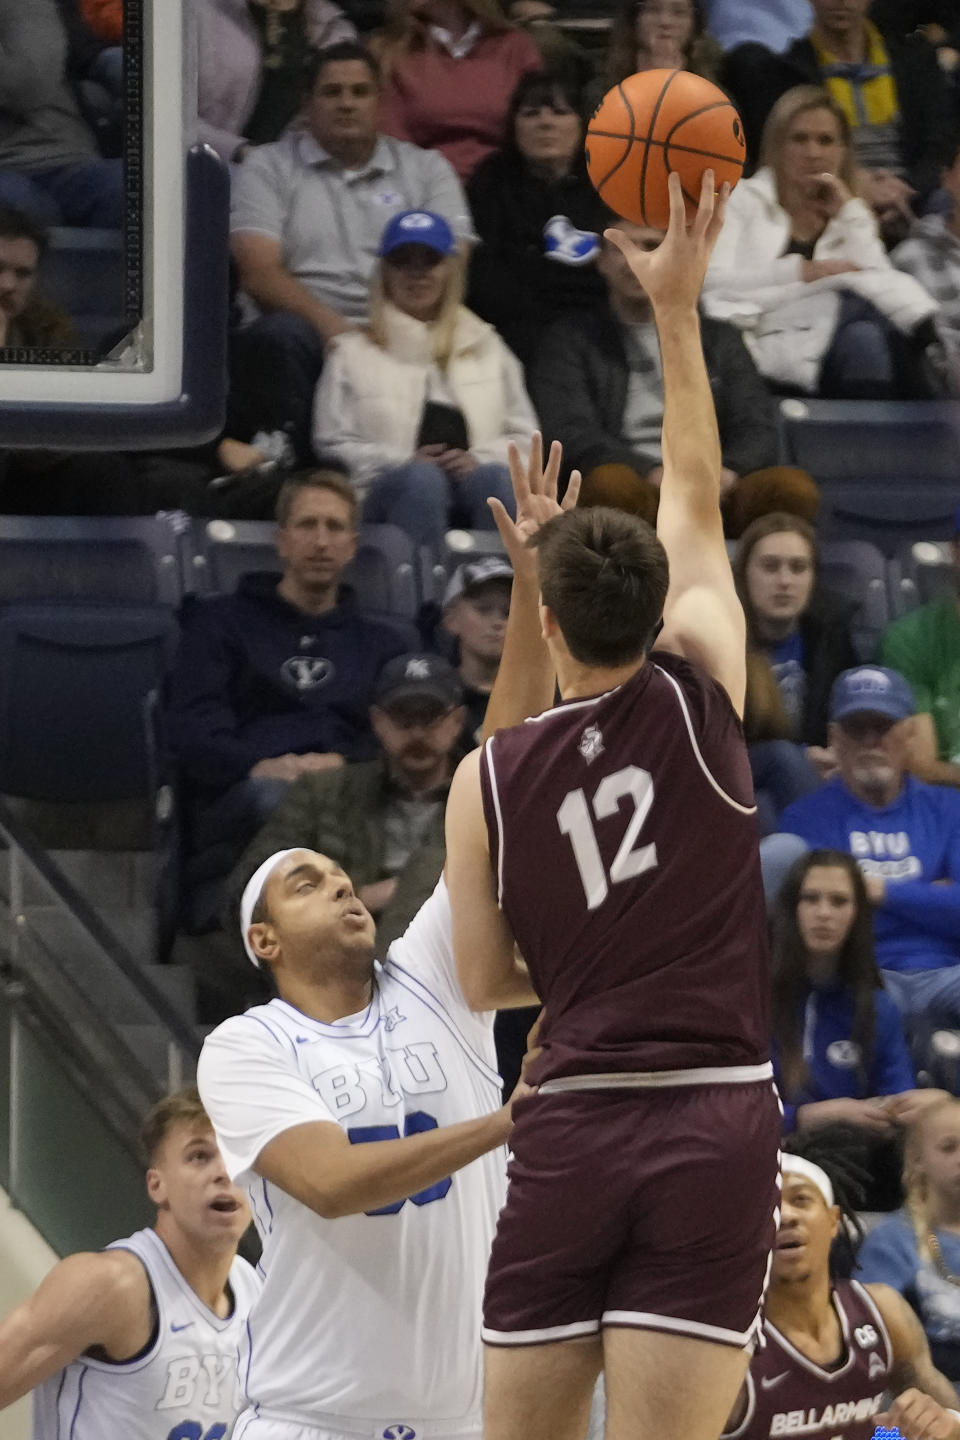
(654, 123)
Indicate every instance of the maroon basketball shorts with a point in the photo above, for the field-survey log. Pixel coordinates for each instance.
(650, 1208)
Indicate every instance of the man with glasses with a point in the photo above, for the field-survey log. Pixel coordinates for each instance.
(382, 820)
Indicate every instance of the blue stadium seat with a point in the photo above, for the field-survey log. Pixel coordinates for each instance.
(78, 688)
(383, 574)
(857, 571)
(123, 561)
(83, 274)
(888, 471)
(921, 573)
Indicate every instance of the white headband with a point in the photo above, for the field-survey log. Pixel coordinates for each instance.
(251, 894)
(796, 1165)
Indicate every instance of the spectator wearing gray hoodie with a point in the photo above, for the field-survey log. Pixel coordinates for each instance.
(931, 254)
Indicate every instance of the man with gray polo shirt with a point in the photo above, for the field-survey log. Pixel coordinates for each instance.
(307, 216)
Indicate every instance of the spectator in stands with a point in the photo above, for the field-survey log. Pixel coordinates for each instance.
(476, 604)
(49, 163)
(770, 23)
(904, 834)
(839, 1046)
(450, 67)
(422, 404)
(275, 681)
(598, 387)
(308, 214)
(799, 641)
(538, 218)
(918, 1251)
(891, 92)
(26, 318)
(381, 820)
(254, 66)
(94, 71)
(931, 254)
(657, 35)
(924, 645)
(801, 269)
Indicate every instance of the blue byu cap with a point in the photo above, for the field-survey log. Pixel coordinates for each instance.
(871, 690)
(418, 227)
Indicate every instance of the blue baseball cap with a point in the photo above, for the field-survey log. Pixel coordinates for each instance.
(871, 690)
(418, 227)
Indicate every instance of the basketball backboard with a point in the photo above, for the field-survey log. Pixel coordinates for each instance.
(158, 376)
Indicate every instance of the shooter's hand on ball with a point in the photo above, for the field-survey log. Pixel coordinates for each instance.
(673, 273)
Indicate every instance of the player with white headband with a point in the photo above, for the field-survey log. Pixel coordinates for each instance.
(361, 1110)
(835, 1348)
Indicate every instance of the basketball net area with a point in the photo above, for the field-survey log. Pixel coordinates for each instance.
(160, 379)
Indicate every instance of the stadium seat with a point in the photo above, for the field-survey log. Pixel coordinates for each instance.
(82, 273)
(78, 688)
(122, 561)
(856, 570)
(921, 573)
(887, 471)
(383, 574)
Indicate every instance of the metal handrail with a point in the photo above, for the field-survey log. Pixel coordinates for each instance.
(20, 837)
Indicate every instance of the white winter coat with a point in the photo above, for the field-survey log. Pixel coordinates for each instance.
(369, 401)
(787, 323)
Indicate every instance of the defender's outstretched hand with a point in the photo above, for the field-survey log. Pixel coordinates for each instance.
(673, 274)
(535, 491)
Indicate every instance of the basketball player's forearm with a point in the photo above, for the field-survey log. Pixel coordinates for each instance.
(691, 441)
(385, 1171)
(525, 683)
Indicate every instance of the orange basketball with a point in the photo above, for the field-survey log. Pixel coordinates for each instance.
(655, 122)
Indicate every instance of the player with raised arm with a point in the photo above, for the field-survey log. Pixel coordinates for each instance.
(361, 1109)
(142, 1340)
(612, 842)
(834, 1349)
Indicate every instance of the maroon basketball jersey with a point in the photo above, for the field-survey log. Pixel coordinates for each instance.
(787, 1394)
(623, 840)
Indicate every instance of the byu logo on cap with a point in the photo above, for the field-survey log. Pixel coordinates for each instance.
(417, 221)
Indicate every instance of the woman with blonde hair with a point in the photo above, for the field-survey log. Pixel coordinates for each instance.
(801, 269)
(449, 70)
(422, 404)
(918, 1250)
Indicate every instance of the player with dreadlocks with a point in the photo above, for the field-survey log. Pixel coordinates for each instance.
(835, 1347)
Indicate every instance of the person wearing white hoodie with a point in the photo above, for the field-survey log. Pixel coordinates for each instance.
(422, 404)
(801, 269)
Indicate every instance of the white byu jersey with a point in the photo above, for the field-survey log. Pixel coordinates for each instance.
(184, 1386)
(371, 1317)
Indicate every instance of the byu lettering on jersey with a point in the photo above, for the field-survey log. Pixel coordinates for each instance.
(399, 1341)
(184, 1386)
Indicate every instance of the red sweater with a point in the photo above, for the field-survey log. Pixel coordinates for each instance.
(457, 106)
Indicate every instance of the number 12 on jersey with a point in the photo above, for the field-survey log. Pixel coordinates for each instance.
(575, 821)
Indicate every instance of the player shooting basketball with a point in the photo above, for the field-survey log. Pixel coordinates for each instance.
(613, 840)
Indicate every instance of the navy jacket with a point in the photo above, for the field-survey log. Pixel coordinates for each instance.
(256, 677)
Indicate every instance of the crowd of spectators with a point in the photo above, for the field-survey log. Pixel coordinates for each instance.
(420, 279)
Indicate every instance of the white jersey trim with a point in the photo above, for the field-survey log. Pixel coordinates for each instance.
(641, 1320)
(829, 1376)
(734, 804)
(487, 752)
(661, 1079)
(872, 1306)
(576, 1331)
(749, 1413)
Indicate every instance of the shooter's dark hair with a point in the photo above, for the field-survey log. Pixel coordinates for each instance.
(604, 574)
(841, 1153)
